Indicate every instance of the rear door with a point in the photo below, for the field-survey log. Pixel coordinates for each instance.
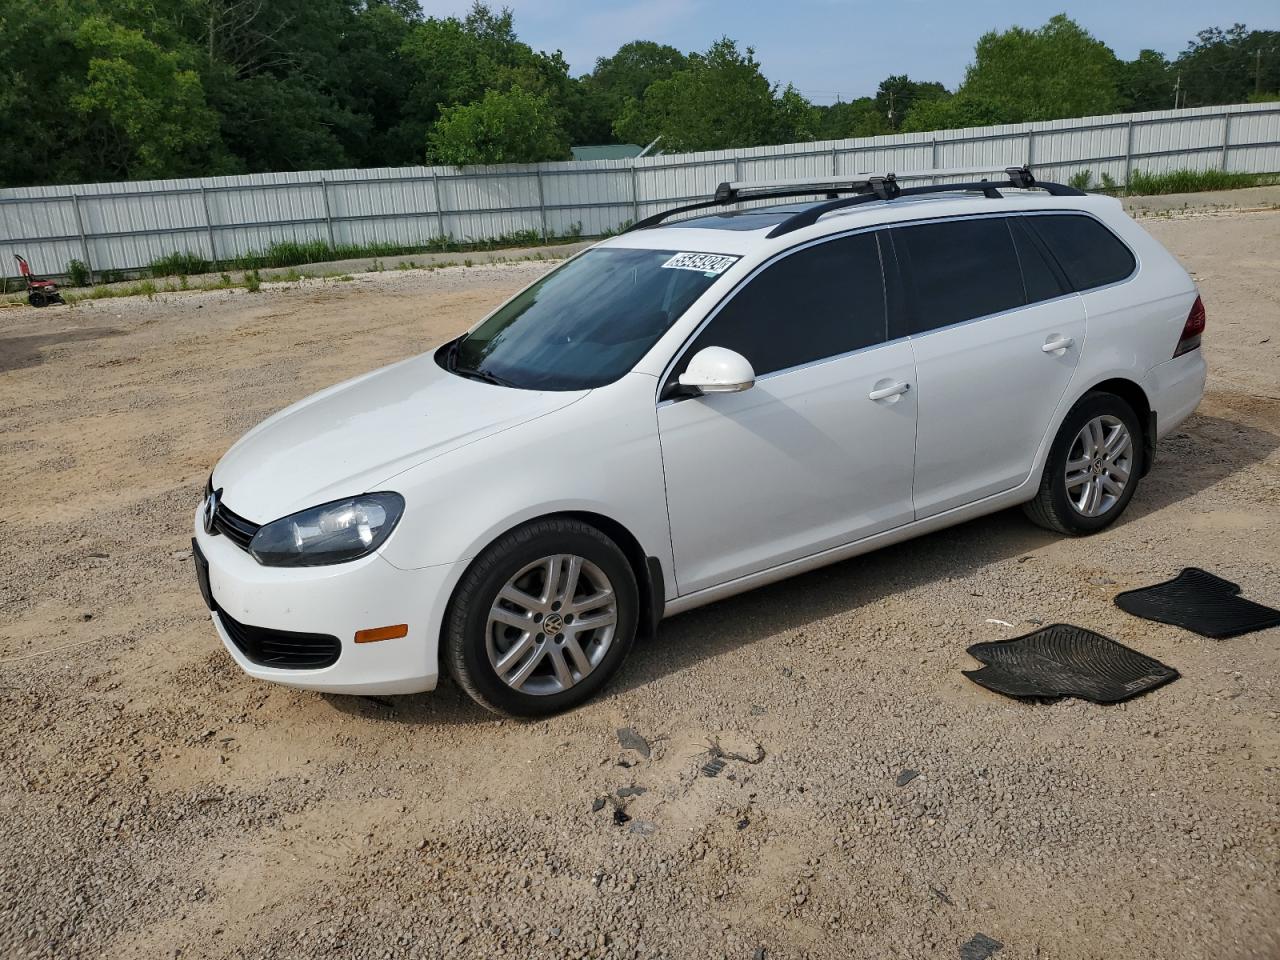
(996, 338)
(806, 459)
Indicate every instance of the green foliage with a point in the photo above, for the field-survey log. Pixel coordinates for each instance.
(512, 127)
(629, 73)
(253, 281)
(897, 94)
(1080, 179)
(1021, 75)
(857, 118)
(1145, 83)
(720, 100)
(179, 264)
(77, 273)
(93, 91)
(1187, 181)
(1227, 66)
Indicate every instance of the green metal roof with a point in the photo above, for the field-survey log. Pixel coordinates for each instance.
(607, 151)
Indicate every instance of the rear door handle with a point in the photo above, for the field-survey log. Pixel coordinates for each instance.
(1060, 343)
(893, 390)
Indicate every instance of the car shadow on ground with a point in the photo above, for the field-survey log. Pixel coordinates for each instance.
(19, 352)
(1204, 452)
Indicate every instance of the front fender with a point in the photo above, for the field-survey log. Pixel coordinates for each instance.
(600, 455)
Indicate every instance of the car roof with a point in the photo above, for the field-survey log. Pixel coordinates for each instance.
(747, 230)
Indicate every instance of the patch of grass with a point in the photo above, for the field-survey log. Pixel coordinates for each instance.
(252, 281)
(1186, 181)
(179, 264)
(1081, 179)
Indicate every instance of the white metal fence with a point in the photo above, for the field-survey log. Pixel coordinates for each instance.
(125, 226)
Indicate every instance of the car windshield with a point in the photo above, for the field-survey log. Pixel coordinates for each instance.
(587, 323)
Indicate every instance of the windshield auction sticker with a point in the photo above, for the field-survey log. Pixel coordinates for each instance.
(712, 264)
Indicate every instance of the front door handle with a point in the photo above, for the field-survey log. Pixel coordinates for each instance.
(1057, 343)
(893, 390)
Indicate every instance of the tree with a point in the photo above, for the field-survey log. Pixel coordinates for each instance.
(855, 118)
(1227, 66)
(898, 93)
(1145, 83)
(720, 100)
(1056, 71)
(143, 107)
(511, 127)
(953, 113)
(630, 72)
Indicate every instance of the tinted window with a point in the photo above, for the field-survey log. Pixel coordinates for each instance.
(1089, 254)
(587, 323)
(1038, 276)
(960, 270)
(816, 303)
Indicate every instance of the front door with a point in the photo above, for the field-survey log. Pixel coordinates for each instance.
(820, 451)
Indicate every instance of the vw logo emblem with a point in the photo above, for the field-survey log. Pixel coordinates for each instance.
(210, 508)
(553, 624)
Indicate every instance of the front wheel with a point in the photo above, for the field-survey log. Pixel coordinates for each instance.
(542, 619)
(1093, 467)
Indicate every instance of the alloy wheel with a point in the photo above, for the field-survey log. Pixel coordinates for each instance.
(551, 625)
(1099, 465)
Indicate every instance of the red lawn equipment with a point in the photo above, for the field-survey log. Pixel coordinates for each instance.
(40, 293)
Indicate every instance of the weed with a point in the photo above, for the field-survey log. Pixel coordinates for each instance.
(252, 281)
(179, 263)
(1186, 181)
(1081, 179)
(77, 273)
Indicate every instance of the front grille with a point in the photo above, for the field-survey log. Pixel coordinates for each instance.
(280, 648)
(233, 526)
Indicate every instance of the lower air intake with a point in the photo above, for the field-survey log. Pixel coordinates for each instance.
(281, 649)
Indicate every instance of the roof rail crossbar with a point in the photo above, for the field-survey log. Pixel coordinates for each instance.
(729, 193)
(864, 187)
(988, 188)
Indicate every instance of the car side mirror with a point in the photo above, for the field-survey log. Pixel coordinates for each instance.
(717, 370)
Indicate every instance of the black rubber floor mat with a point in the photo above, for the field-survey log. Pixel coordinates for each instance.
(1066, 661)
(1198, 601)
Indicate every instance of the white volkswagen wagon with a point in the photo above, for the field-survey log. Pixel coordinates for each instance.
(692, 409)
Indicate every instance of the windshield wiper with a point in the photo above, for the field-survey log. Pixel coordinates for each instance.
(484, 376)
(471, 373)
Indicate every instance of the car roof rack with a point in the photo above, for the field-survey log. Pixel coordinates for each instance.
(844, 192)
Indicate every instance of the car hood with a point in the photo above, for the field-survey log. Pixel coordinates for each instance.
(353, 437)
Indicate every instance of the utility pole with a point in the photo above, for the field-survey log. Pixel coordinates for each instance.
(1257, 73)
(1177, 87)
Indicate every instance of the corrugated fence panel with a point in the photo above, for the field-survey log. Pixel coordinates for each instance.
(126, 226)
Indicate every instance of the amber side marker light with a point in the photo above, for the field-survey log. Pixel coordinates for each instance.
(382, 633)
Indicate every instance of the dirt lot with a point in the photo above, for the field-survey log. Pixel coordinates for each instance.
(156, 802)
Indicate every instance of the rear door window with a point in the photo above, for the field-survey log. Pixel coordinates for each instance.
(1039, 277)
(959, 270)
(1089, 254)
(816, 303)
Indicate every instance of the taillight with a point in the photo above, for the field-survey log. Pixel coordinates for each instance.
(1192, 329)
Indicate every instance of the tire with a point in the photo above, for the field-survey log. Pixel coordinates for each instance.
(537, 628)
(1058, 504)
(37, 299)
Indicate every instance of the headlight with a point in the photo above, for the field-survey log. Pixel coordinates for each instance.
(330, 533)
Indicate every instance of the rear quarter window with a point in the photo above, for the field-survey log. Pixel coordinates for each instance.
(1090, 255)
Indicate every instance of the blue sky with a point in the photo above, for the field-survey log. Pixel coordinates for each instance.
(826, 47)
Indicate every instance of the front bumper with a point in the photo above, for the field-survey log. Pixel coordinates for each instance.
(337, 600)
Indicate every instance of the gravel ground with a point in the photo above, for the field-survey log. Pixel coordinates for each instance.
(156, 802)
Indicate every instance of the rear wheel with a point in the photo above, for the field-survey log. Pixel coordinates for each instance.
(542, 619)
(37, 299)
(1093, 467)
